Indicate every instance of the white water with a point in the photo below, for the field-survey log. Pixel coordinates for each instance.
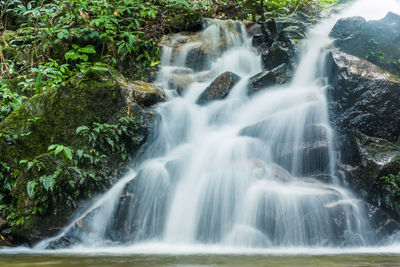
(203, 186)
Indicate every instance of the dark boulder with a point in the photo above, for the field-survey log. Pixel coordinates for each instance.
(279, 53)
(363, 96)
(314, 155)
(384, 224)
(276, 76)
(366, 161)
(313, 149)
(376, 41)
(219, 88)
(278, 40)
(347, 27)
(262, 41)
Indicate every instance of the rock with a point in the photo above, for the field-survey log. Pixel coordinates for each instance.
(346, 27)
(261, 41)
(95, 97)
(198, 55)
(383, 223)
(60, 112)
(363, 96)
(278, 54)
(313, 149)
(375, 41)
(276, 76)
(219, 88)
(294, 32)
(314, 155)
(280, 173)
(368, 159)
(288, 21)
(180, 82)
(142, 93)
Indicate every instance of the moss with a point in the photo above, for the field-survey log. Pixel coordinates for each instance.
(186, 20)
(60, 111)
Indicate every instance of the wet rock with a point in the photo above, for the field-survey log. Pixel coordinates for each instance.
(363, 96)
(382, 222)
(198, 52)
(289, 21)
(278, 54)
(280, 173)
(314, 155)
(142, 93)
(261, 41)
(375, 41)
(313, 149)
(294, 32)
(180, 82)
(347, 27)
(369, 158)
(219, 88)
(276, 76)
(315, 132)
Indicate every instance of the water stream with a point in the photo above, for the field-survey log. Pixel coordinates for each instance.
(237, 173)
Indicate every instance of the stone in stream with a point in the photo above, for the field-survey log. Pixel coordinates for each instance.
(219, 88)
(313, 148)
(180, 82)
(276, 76)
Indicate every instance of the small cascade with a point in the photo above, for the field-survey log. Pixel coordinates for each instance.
(240, 171)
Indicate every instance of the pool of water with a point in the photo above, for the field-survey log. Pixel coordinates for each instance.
(155, 260)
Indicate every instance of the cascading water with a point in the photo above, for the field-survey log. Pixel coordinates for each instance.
(236, 172)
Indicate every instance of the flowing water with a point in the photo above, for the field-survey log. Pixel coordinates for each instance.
(235, 175)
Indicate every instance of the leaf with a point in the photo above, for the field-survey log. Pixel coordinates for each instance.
(30, 189)
(59, 149)
(72, 55)
(47, 181)
(89, 49)
(51, 147)
(82, 129)
(68, 153)
(30, 165)
(38, 80)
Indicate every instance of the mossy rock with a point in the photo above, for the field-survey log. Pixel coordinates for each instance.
(53, 116)
(186, 21)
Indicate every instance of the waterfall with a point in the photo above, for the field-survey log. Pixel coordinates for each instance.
(240, 171)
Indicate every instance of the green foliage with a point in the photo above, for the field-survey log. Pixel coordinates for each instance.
(63, 175)
(9, 101)
(30, 189)
(79, 53)
(7, 180)
(61, 148)
(388, 192)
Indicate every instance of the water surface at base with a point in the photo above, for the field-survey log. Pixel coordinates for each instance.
(200, 260)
